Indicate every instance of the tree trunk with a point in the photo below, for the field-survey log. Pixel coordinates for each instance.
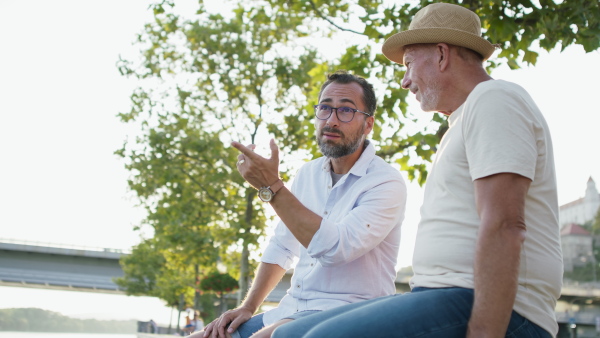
(197, 305)
(243, 282)
(244, 270)
(223, 302)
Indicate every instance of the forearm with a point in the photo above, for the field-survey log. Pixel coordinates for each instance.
(301, 221)
(496, 280)
(266, 278)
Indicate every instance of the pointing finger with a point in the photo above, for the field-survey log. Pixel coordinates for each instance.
(274, 151)
(245, 150)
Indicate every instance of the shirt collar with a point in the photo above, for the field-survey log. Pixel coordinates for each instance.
(360, 167)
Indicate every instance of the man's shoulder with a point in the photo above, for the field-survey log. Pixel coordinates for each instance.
(380, 177)
(497, 87)
(379, 168)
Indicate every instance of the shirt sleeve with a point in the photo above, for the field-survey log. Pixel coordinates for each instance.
(377, 210)
(283, 247)
(500, 134)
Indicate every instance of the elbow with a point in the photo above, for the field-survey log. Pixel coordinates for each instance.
(331, 261)
(328, 262)
(511, 231)
(514, 232)
(520, 231)
(331, 264)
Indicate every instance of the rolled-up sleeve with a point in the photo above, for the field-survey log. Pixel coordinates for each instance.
(358, 228)
(282, 249)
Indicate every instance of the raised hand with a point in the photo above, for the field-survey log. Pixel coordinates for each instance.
(255, 169)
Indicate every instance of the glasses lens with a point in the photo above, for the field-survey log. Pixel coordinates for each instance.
(322, 111)
(345, 114)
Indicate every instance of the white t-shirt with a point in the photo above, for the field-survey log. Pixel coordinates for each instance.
(498, 129)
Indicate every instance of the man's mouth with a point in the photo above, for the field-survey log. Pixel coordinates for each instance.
(331, 134)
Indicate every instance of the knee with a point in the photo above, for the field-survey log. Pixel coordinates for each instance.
(281, 332)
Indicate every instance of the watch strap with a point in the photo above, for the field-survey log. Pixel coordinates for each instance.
(276, 186)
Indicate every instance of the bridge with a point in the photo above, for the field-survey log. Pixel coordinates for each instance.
(50, 266)
(59, 267)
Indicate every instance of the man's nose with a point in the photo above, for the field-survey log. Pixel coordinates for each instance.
(333, 118)
(405, 81)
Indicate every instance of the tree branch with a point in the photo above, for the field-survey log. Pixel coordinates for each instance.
(219, 203)
(312, 4)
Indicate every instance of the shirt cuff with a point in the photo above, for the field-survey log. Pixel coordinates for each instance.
(276, 255)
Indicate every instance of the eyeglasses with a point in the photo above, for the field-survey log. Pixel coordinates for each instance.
(344, 114)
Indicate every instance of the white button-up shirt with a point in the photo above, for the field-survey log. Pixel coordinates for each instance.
(352, 257)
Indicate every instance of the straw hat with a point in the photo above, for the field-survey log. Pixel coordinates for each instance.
(440, 22)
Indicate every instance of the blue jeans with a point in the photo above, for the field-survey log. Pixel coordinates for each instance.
(250, 327)
(256, 323)
(424, 313)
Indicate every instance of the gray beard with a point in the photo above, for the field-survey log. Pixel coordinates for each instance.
(337, 151)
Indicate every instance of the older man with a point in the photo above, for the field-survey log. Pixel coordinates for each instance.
(341, 217)
(487, 259)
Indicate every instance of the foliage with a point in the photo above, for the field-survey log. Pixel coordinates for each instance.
(518, 26)
(595, 224)
(219, 283)
(591, 271)
(208, 79)
(147, 271)
(583, 274)
(38, 320)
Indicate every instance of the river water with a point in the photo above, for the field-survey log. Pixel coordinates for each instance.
(7, 334)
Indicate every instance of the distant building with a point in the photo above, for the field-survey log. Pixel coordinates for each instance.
(577, 244)
(582, 210)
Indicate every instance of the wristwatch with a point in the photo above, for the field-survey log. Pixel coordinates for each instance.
(266, 193)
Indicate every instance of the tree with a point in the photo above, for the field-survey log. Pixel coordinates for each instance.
(220, 284)
(182, 171)
(213, 78)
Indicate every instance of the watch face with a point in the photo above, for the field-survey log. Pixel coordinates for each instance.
(265, 194)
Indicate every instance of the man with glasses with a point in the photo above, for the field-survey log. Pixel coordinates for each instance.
(341, 217)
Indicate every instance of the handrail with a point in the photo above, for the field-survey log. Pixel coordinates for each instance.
(62, 245)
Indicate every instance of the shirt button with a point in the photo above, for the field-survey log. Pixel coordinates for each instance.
(326, 212)
(311, 264)
(328, 187)
(298, 286)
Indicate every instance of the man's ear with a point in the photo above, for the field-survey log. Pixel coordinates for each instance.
(370, 121)
(443, 53)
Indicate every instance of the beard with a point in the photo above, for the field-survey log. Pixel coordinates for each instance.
(347, 146)
(430, 97)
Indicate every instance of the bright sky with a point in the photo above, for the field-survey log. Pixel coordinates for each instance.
(60, 92)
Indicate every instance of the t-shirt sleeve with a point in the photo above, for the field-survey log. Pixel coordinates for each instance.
(499, 134)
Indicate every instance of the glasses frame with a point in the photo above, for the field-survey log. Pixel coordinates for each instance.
(354, 111)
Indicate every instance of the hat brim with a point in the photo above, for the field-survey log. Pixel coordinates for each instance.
(393, 47)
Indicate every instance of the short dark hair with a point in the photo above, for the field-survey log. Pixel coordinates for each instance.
(342, 76)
